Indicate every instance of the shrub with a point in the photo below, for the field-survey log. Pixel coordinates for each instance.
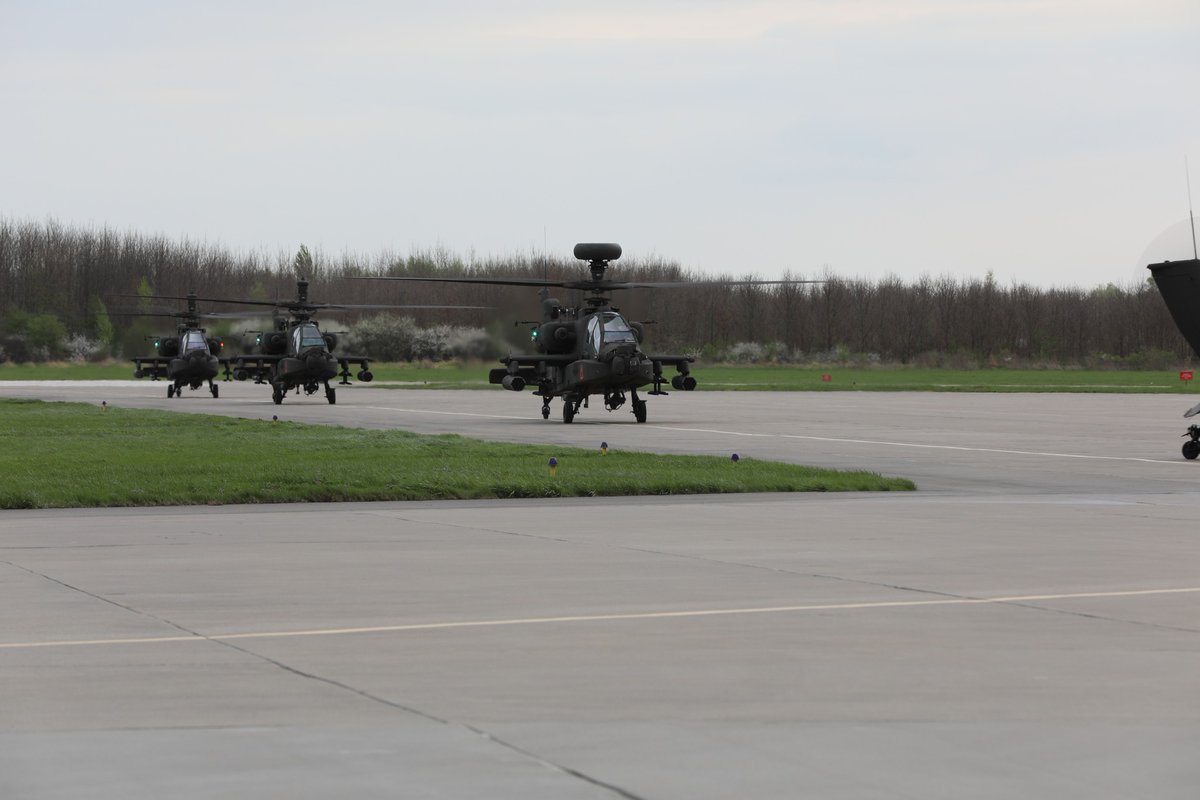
(81, 348)
(384, 337)
(745, 353)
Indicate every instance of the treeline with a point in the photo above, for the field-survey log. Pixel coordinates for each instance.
(57, 275)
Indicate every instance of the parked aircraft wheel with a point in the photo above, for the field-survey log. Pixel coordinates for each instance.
(215, 390)
(639, 410)
(546, 412)
(331, 395)
(568, 411)
(171, 391)
(277, 395)
(1191, 450)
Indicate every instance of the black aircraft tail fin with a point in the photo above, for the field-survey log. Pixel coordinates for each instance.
(1179, 284)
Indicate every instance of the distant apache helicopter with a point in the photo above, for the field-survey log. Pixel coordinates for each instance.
(295, 354)
(590, 349)
(188, 358)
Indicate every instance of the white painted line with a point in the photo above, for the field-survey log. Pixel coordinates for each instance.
(917, 445)
(871, 442)
(712, 612)
(442, 413)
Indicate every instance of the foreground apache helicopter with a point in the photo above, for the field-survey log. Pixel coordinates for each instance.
(1179, 284)
(590, 349)
(295, 354)
(186, 359)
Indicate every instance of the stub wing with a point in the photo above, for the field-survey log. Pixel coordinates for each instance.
(672, 361)
(529, 367)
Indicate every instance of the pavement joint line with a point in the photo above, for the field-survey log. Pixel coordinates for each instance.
(441, 413)
(917, 445)
(747, 434)
(712, 612)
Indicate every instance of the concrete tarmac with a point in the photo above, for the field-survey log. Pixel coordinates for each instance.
(1024, 625)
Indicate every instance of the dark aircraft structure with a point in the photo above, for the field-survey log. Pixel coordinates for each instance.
(591, 349)
(188, 358)
(1179, 284)
(295, 354)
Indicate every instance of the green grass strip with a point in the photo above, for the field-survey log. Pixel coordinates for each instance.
(55, 455)
(724, 377)
(762, 378)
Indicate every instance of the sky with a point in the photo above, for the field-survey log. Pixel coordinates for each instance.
(1041, 140)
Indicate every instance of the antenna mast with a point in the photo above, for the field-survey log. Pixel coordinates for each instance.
(1191, 216)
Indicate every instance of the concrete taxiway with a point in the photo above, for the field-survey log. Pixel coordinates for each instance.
(1025, 625)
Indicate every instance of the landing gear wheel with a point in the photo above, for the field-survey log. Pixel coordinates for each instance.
(545, 411)
(171, 391)
(1191, 450)
(568, 411)
(277, 395)
(331, 394)
(639, 410)
(215, 390)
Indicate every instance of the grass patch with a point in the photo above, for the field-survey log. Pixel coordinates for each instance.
(67, 371)
(720, 377)
(723, 377)
(913, 379)
(56, 455)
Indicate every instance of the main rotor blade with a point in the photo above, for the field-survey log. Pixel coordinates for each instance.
(586, 285)
(296, 305)
(353, 307)
(232, 315)
(484, 281)
(606, 285)
(149, 313)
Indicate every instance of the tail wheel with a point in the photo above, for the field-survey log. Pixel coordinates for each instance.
(1191, 450)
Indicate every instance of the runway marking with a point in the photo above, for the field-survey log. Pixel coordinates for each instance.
(492, 623)
(442, 413)
(915, 444)
(872, 442)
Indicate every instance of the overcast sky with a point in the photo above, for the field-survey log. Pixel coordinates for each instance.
(1042, 140)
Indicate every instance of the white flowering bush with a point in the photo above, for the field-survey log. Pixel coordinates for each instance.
(82, 348)
(745, 353)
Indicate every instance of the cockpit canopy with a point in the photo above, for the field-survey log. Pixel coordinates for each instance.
(308, 336)
(609, 328)
(194, 341)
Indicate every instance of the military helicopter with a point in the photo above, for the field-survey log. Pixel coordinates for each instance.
(188, 358)
(590, 349)
(1179, 284)
(295, 353)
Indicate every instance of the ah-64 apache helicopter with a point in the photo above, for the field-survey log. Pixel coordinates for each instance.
(296, 354)
(1179, 284)
(189, 358)
(590, 349)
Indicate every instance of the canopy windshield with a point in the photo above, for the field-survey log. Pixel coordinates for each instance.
(193, 341)
(616, 329)
(309, 335)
